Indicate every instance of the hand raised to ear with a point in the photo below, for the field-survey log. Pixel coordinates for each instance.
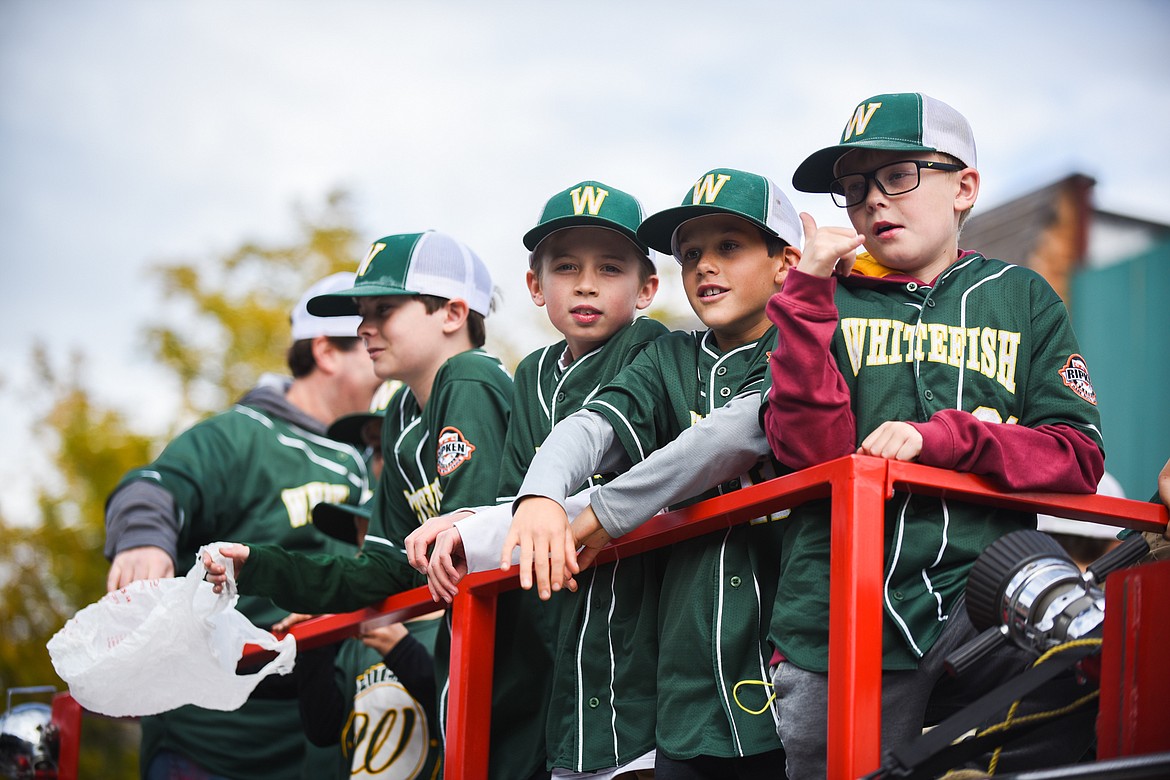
(828, 250)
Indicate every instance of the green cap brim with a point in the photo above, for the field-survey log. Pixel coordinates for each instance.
(539, 233)
(341, 303)
(816, 173)
(657, 230)
(340, 521)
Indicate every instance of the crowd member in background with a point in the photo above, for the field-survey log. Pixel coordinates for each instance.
(423, 298)
(253, 472)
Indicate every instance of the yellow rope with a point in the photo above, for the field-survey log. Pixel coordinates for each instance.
(1011, 719)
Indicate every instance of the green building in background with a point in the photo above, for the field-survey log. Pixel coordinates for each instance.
(1113, 272)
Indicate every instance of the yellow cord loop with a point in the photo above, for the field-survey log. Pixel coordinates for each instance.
(738, 703)
(1011, 716)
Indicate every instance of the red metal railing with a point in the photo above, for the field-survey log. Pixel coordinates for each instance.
(858, 486)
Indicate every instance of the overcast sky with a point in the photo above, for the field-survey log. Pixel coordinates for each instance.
(134, 132)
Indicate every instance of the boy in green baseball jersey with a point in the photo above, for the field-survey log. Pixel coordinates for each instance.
(371, 698)
(592, 274)
(923, 352)
(735, 237)
(255, 472)
(423, 298)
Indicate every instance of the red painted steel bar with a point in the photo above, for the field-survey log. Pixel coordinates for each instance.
(855, 617)
(1135, 680)
(66, 716)
(469, 713)
(929, 481)
(858, 486)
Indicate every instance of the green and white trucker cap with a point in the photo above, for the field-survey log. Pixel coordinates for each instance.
(429, 263)
(589, 204)
(726, 191)
(897, 122)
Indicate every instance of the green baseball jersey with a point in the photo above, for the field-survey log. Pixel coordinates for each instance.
(602, 704)
(545, 393)
(717, 589)
(446, 454)
(252, 473)
(987, 342)
(462, 431)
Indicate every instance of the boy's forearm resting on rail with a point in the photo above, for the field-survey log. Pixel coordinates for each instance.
(1048, 457)
(721, 446)
(581, 445)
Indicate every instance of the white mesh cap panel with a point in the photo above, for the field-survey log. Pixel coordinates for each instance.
(444, 267)
(782, 217)
(947, 130)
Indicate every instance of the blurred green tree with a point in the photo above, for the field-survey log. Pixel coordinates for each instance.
(232, 324)
(240, 305)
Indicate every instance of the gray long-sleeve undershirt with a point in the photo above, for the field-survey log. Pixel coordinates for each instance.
(142, 514)
(579, 446)
(721, 446)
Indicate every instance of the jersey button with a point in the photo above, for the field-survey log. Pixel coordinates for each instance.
(912, 286)
(736, 582)
(721, 370)
(898, 595)
(725, 391)
(930, 302)
(929, 396)
(593, 702)
(560, 396)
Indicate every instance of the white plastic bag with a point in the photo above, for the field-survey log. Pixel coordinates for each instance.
(159, 644)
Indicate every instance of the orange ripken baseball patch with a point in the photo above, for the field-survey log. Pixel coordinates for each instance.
(1075, 376)
(453, 451)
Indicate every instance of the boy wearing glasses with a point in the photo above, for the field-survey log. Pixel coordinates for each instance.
(916, 350)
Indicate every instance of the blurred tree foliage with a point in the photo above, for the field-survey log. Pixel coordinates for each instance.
(50, 570)
(241, 304)
(232, 312)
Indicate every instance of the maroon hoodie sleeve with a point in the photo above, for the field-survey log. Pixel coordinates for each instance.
(807, 418)
(1049, 457)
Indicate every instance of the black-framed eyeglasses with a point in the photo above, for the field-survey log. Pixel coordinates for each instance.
(895, 178)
